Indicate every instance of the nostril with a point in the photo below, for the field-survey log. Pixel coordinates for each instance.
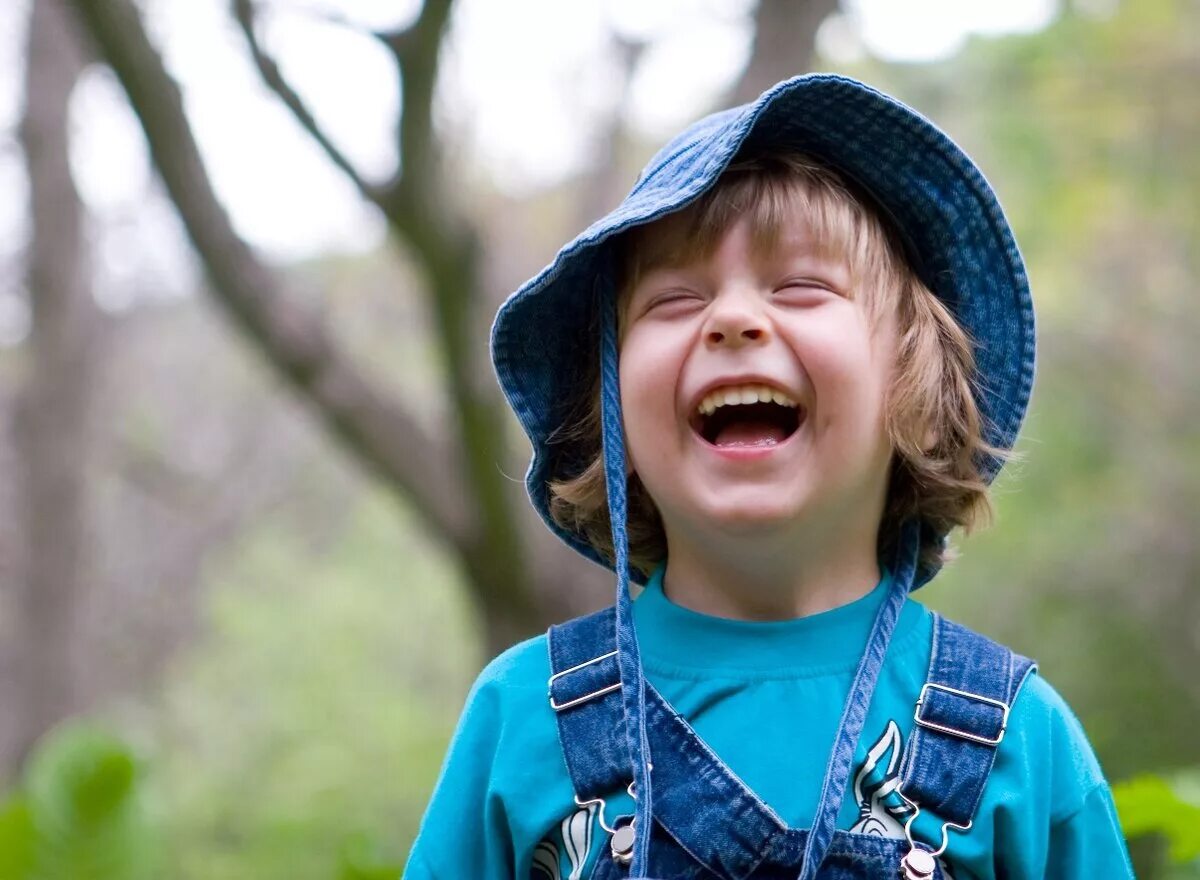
(752, 334)
(716, 336)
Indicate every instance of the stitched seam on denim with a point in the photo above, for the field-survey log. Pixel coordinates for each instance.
(678, 743)
(608, 623)
(866, 849)
(777, 841)
(1010, 659)
(551, 641)
(862, 688)
(1010, 693)
(909, 759)
(746, 125)
(683, 846)
(1016, 684)
(688, 734)
(665, 162)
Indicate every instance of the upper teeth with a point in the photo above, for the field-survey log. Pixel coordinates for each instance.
(740, 394)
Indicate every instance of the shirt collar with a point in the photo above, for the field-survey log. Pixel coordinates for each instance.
(672, 637)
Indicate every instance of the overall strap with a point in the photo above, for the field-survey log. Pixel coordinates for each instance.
(960, 718)
(585, 694)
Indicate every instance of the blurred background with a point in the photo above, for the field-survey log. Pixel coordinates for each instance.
(261, 519)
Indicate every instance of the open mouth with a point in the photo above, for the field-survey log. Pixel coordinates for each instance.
(747, 416)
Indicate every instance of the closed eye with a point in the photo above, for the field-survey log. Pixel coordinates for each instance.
(673, 300)
(807, 286)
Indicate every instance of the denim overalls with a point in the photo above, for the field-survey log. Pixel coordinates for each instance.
(708, 825)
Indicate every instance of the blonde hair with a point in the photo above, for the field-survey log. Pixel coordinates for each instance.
(932, 419)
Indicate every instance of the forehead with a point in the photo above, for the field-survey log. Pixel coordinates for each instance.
(784, 214)
(678, 243)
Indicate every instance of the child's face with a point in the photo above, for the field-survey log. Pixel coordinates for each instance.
(739, 320)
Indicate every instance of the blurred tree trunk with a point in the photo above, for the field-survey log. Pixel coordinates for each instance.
(785, 42)
(520, 580)
(52, 420)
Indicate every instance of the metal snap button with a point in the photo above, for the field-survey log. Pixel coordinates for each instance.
(622, 841)
(918, 864)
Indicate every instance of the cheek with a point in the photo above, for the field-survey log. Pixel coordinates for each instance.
(649, 370)
(649, 376)
(848, 375)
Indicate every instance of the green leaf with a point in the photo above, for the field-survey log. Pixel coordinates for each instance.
(16, 840)
(84, 814)
(1149, 805)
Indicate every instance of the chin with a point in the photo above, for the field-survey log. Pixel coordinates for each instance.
(750, 518)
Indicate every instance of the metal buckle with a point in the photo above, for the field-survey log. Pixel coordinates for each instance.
(912, 844)
(611, 829)
(953, 731)
(558, 707)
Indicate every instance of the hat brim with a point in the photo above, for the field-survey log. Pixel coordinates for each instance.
(959, 241)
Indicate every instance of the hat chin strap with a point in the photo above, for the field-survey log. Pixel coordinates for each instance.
(858, 700)
(633, 683)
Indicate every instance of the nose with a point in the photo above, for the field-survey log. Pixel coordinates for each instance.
(735, 319)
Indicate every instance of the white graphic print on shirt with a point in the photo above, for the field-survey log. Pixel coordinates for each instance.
(881, 810)
(875, 784)
(569, 849)
(572, 843)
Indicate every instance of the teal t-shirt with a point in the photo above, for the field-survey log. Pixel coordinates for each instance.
(767, 698)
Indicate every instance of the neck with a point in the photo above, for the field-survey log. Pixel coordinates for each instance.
(770, 576)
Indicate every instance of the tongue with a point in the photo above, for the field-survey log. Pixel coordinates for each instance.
(749, 433)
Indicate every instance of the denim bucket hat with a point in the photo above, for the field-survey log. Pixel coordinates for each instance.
(954, 230)
(959, 243)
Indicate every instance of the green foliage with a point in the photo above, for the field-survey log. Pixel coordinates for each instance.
(361, 860)
(1148, 804)
(18, 836)
(77, 815)
(310, 719)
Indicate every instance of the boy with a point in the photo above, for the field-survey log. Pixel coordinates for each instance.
(768, 385)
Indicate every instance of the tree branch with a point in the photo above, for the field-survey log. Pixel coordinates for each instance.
(421, 207)
(415, 49)
(414, 190)
(361, 416)
(243, 11)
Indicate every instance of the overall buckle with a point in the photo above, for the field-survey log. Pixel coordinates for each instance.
(558, 707)
(953, 731)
